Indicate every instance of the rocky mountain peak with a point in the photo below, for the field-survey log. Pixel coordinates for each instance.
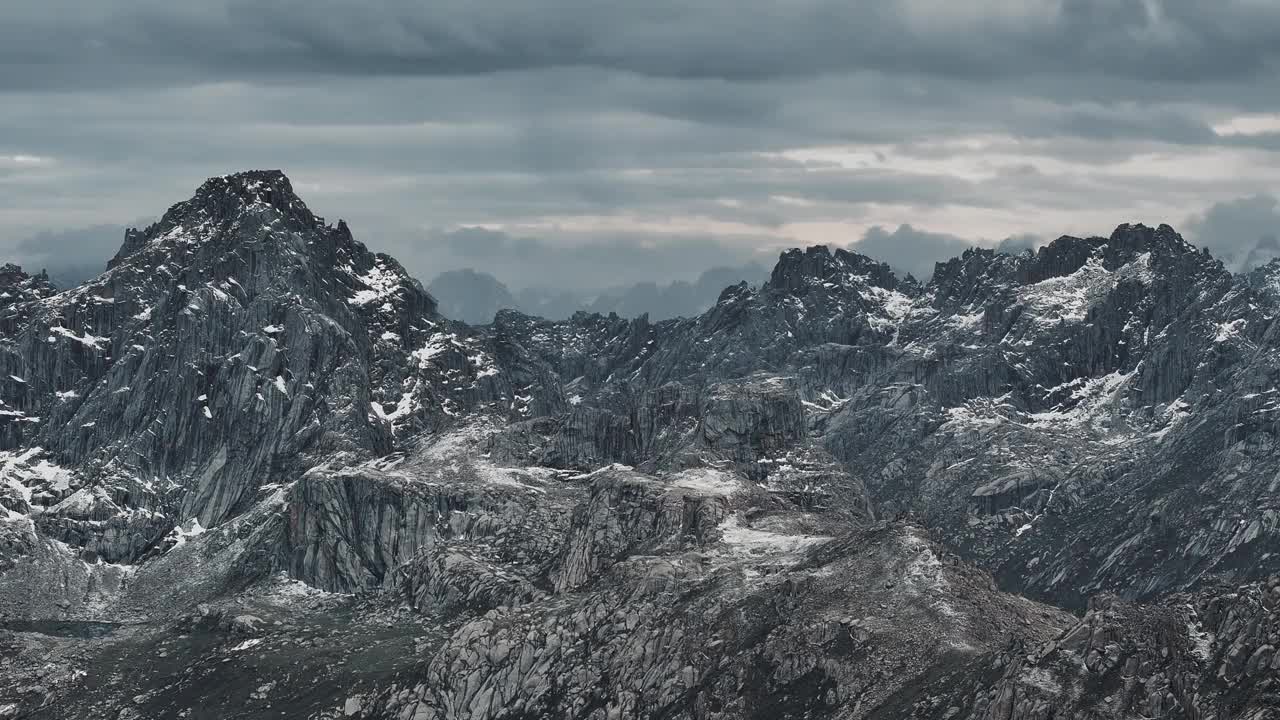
(978, 271)
(16, 285)
(239, 286)
(240, 206)
(1066, 254)
(12, 275)
(799, 270)
(974, 276)
(249, 233)
(1141, 238)
(226, 194)
(1265, 279)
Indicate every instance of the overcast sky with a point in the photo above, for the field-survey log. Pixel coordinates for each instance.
(660, 137)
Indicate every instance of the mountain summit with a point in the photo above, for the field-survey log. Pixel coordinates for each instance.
(221, 342)
(252, 471)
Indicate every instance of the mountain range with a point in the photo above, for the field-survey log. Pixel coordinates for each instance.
(476, 297)
(256, 470)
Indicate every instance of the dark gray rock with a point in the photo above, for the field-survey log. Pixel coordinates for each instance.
(256, 451)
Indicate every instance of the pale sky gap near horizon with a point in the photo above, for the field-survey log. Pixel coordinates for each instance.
(589, 143)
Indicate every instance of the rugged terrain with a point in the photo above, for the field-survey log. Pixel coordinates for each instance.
(252, 471)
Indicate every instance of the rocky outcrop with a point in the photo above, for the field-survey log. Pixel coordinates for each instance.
(357, 530)
(629, 514)
(1202, 656)
(698, 641)
(253, 440)
(16, 286)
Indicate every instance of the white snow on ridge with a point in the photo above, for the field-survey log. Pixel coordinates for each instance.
(193, 529)
(612, 467)
(18, 470)
(1228, 330)
(82, 502)
(459, 443)
(896, 305)
(1139, 269)
(748, 541)
(405, 405)
(494, 475)
(975, 414)
(483, 364)
(11, 479)
(1177, 412)
(970, 322)
(1068, 298)
(380, 283)
(437, 344)
(706, 480)
(88, 340)
(833, 402)
(1085, 402)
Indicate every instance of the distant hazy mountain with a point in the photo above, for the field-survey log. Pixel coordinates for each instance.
(72, 256)
(678, 299)
(552, 304)
(470, 296)
(73, 274)
(474, 297)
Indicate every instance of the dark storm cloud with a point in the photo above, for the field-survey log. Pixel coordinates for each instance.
(909, 250)
(558, 121)
(1244, 233)
(1173, 40)
(982, 118)
(70, 256)
(96, 242)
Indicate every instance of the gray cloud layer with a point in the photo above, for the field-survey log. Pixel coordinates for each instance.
(1243, 233)
(70, 256)
(641, 137)
(1176, 41)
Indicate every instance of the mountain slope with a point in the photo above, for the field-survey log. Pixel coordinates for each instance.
(256, 451)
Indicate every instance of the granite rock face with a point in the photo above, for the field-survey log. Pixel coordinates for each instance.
(252, 471)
